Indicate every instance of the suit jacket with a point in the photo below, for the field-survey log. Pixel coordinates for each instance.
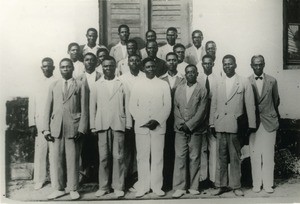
(66, 116)
(267, 103)
(192, 112)
(164, 50)
(225, 111)
(191, 55)
(83, 78)
(178, 81)
(116, 52)
(109, 110)
(150, 100)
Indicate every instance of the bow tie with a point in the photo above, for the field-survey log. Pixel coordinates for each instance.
(259, 77)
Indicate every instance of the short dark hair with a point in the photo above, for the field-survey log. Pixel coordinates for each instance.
(197, 31)
(123, 26)
(191, 65)
(208, 56)
(102, 50)
(91, 54)
(133, 42)
(48, 59)
(109, 58)
(229, 57)
(171, 53)
(147, 59)
(172, 29)
(150, 41)
(72, 44)
(177, 46)
(148, 31)
(92, 29)
(257, 56)
(67, 60)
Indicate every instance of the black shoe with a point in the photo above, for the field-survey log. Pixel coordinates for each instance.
(222, 190)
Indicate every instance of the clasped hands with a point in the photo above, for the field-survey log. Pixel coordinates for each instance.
(49, 138)
(185, 128)
(152, 124)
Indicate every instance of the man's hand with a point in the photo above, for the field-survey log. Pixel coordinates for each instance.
(33, 131)
(250, 130)
(153, 124)
(185, 129)
(78, 136)
(94, 132)
(213, 131)
(49, 138)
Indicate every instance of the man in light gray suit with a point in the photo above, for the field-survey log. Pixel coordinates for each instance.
(65, 123)
(232, 96)
(262, 142)
(190, 103)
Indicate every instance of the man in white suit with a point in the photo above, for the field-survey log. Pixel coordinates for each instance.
(150, 106)
(171, 36)
(262, 142)
(109, 117)
(194, 54)
(233, 95)
(36, 108)
(65, 123)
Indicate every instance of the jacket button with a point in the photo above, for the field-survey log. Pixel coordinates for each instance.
(226, 104)
(225, 113)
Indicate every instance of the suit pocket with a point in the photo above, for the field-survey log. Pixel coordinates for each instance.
(76, 116)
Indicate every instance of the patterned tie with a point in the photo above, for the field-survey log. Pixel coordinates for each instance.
(66, 90)
(207, 85)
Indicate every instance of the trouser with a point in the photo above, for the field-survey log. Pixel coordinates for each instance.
(213, 156)
(41, 152)
(111, 164)
(66, 153)
(204, 160)
(229, 147)
(262, 145)
(150, 148)
(187, 160)
(130, 158)
(169, 156)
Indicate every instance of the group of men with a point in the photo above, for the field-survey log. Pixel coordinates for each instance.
(161, 113)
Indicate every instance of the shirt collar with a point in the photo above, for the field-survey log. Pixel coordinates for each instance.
(200, 48)
(230, 79)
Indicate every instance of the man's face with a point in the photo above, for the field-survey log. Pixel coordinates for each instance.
(124, 34)
(109, 68)
(47, 68)
(91, 37)
(191, 74)
(207, 64)
(171, 37)
(211, 49)
(131, 48)
(150, 69)
(101, 56)
(66, 69)
(229, 67)
(180, 53)
(134, 63)
(152, 49)
(197, 39)
(171, 62)
(258, 65)
(151, 36)
(74, 52)
(89, 63)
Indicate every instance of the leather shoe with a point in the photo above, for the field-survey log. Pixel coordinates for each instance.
(100, 193)
(178, 193)
(119, 193)
(256, 189)
(194, 192)
(56, 194)
(159, 193)
(221, 191)
(238, 192)
(269, 189)
(74, 195)
(140, 194)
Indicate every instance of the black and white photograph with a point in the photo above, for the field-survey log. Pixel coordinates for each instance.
(150, 101)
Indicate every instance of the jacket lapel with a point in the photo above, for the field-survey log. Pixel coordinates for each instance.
(264, 88)
(252, 81)
(196, 90)
(115, 89)
(71, 90)
(234, 89)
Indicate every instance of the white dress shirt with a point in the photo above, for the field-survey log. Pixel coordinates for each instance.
(69, 81)
(259, 83)
(172, 79)
(181, 67)
(129, 79)
(123, 48)
(189, 91)
(164, 50)
(123, 66)
(93, 50)
(199, 52)
(91, 79)
(78, 69)
(229, 84)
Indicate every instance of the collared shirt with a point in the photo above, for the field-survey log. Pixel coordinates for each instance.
(93, 50)
(99, 69)
(259, 83)
(164, 50)
(123, 48)
(229, 84)
(78, 69)
(109, 84)
(199, 52)
(69, 81)
(172, 79)
(181, 67)
(189, 91)
(129, 79)
(91, 79)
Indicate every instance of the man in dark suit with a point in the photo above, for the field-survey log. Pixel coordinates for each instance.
(151, 49)
(262, 142)
(89, 152)
(65, 123)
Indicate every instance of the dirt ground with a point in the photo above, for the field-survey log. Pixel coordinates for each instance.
(286, 190)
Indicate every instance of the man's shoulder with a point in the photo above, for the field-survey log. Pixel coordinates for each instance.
(270, 78)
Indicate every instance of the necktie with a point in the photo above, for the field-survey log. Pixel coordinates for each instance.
(66, 90)
(207, 85)
(259, 77)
